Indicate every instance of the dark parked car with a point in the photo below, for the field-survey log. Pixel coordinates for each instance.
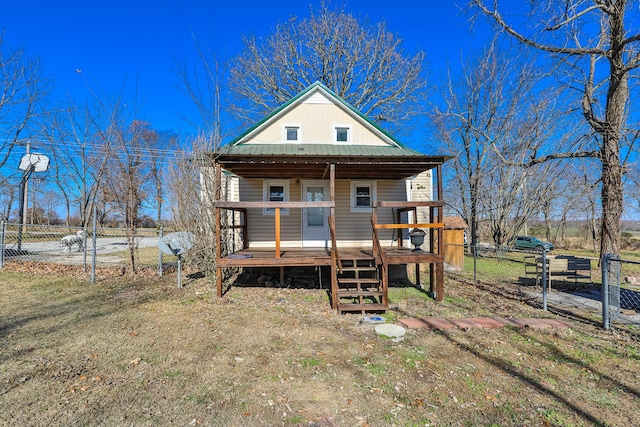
(529, 243)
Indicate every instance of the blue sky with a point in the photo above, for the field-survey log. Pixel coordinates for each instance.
(110, 44)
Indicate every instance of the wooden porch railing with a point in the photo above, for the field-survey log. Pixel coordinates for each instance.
(242, 226)
(378, 252)
(277, 207)
(435, 228)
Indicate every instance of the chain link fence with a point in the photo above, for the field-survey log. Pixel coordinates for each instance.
(571, 280)
(620, 288)
(87, 247)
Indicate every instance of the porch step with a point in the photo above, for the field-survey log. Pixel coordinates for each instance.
(362, 307)
(359, 269)
(347, 293)
(356, 280)
(358, 286)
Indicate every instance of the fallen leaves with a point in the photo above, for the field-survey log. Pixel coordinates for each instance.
(84, 383)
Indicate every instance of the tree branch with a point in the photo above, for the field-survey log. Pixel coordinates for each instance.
(530, 42)
(574, 17)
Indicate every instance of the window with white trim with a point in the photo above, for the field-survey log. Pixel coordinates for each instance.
(275, 191)
(292, 133)
(341, 134)
(363, 193)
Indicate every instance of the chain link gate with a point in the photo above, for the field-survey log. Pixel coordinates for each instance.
(620, 288)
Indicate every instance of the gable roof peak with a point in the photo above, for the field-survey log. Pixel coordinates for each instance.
(334, 97)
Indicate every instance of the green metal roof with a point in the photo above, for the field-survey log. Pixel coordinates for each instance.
(317, 150)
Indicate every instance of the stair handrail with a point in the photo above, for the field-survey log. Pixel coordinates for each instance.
(377, 247)
(334, 242)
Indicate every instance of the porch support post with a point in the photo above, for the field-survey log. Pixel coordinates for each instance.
(218, 238)
(440, 265)
(439, 282)
(332, 185)
(332, 193)
(432, 275)
(334, 280)
(277, 218)
(439, 172)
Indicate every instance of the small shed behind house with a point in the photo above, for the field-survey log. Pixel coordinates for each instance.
(454, 231)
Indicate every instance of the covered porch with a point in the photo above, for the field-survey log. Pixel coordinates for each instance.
(359, 275)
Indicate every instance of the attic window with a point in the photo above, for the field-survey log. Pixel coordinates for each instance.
(342, 134)
(292, 133)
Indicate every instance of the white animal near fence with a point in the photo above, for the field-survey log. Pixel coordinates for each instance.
(73, 239)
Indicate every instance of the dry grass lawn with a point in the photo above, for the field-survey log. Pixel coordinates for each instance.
(138, 351)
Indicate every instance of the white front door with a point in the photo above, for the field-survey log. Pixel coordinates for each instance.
(315, 221)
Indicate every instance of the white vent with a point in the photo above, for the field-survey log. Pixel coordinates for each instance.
(317, 98)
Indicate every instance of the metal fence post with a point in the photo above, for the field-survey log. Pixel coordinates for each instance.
(475, 264)
(544, 279)
(84, 245)
(2, 231)
(159, 253)
(605, 291)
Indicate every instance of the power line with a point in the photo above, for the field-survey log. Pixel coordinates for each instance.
(147, 154)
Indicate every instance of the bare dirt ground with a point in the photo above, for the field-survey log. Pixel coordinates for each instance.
(139, 351)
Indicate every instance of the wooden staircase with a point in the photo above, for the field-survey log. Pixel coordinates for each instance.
(358, 287)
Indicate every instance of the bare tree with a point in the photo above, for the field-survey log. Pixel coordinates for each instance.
(362, 63)
(191, 185)
(22, 88)
(79, 161)
(165, 144)
(192, 189)
(204, 84)
(128, 180)
(7, 196)
(599, 43)
(490, 124)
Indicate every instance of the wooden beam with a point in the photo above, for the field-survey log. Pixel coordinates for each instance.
(439, 282)
(332, 183)
(334, 281)
(439, 172)
(434, 225)
(273, 205)
(385, 204)
(277, 218)
(327, 169)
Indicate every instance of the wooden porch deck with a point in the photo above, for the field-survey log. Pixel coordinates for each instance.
(297, 257)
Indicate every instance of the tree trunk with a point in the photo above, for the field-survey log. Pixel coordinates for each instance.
(617, 98)
(611, 198)
(547, 220)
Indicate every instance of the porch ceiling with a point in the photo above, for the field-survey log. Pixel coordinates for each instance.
(312, 167)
